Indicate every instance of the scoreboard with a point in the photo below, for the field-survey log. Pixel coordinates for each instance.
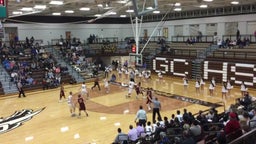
(3, 9)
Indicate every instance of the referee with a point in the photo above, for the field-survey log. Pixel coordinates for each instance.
(141, 116)
(156, 108)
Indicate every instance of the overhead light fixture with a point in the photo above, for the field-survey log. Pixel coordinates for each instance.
(129, 11)
(208, 0)
(42, 7)
(56, 14)
(177, 4)
(84, 9)
(54, 2)
(69, 11)
(149, 8)
(203, 6)
(123, 16)
(112, 13)
(26, 9)
(97, 15)
(100, 5)
(156, 12)
(122, 1)
(17, 12)
(235, 2)
(177, 9)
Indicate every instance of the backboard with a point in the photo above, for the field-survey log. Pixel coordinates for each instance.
(141, 7)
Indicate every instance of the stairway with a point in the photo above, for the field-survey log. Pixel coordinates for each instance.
(197, 63)
(61, 61)
(8, 86)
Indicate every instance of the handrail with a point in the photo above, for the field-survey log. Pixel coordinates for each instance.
(203, 38)
(250, 136)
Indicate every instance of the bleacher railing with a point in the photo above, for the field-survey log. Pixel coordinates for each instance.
(247, 138)
(9, 43)
(203, 39)
(252, 38)
(232, 54)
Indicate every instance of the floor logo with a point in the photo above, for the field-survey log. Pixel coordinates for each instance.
(17, 119)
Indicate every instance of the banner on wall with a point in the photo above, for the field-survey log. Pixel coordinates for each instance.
(1, 30)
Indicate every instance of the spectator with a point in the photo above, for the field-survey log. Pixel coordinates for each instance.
(121, 137)
(132, 134)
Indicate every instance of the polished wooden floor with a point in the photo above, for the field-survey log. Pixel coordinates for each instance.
(107, 112)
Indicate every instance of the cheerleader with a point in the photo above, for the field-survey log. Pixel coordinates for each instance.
(213, 81)
(120, 72)
(140, 76)
(243, 89)
(229, 86)
(197, 86)
(202, 83)
(185, 82)
(106, 85)
(138, 90)
(211, 88)
(224, 89)
(126, 73)
(160, 76)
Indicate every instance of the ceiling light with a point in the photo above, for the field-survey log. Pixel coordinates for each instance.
(27, 9)
(123, 16)
(97, 15)
(156, 12)
(84, 9)
(177, 9)
(56, 2)
(106, 8)
(235, 2)
(208, 0)
(40, 7)
(69, 11)
(130, 11)
(203, 6)
(56, 14)
(100, 5)
(17, 12)
(122, 1)
(149, 8)
(177, 4)
(112, 13)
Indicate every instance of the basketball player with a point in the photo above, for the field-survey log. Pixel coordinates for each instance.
(81, 105)
(84, 90)
(106, 85)
(138, 90)
(130, 88)
(71, 104)
(96, 83)
(62, 93)
(149, 98)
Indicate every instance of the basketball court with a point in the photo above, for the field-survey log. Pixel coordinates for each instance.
(107, 112)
